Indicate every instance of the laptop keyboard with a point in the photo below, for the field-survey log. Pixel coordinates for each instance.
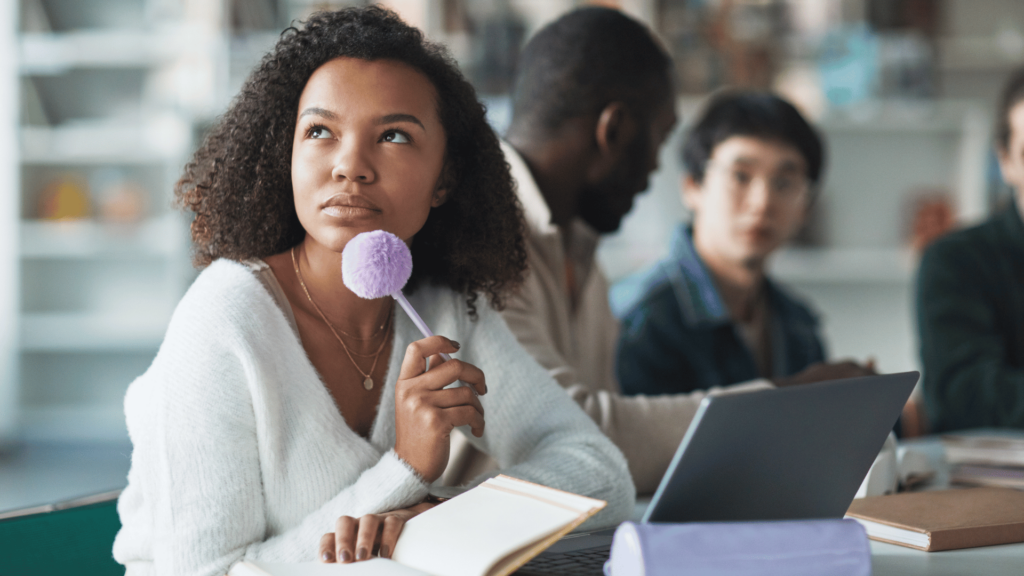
(587, 562)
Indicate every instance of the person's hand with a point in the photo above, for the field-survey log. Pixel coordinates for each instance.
(357, 539)
(821, 371)
(426, 413)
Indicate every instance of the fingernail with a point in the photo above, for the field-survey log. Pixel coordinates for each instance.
(346, 556)
(455, 344)
(327, 557)
(362, 554)
(383, 550)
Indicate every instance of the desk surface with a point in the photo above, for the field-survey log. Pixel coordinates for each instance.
(892, 560)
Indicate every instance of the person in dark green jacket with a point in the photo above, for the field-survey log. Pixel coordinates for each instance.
(970, 299)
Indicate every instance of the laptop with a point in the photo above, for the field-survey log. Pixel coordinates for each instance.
(799, 452)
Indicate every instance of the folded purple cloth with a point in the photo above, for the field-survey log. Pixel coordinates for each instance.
(790, 548)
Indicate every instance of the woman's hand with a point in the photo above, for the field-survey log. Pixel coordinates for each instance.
(356, 539)
(425, 413)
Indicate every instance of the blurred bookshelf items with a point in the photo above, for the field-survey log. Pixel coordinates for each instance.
(65, 198)
(119, 200)
(932, 216)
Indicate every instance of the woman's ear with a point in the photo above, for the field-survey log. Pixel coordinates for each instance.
(439, 197)
(444, 183)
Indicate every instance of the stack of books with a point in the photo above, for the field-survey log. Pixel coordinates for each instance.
(985, 460)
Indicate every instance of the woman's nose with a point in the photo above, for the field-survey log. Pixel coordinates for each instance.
(352, 164)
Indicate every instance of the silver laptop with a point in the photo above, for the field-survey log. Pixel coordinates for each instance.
(786, 453)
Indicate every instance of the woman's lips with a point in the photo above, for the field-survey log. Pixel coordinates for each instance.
(348, 205)
(342, 211)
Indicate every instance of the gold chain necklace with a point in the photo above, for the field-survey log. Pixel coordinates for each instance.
(368, 380)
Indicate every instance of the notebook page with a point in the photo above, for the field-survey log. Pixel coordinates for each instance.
(468, 534)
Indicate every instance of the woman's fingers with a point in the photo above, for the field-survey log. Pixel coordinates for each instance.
(445, 373)
(366, 537)
(393, 525)
(455, 369)
(461, 396)
(345, 539)
(416, 354)
(326, 550)
(466, 416)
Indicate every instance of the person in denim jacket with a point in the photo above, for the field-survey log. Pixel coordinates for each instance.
(708, 315)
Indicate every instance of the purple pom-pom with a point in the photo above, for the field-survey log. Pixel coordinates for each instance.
(376, 264)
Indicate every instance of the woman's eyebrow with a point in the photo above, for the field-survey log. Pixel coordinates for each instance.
(319, 112)
(391, 118)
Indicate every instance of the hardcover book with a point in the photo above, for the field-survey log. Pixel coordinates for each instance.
(943, 519)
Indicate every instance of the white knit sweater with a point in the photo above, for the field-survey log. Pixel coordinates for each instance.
(240, 451)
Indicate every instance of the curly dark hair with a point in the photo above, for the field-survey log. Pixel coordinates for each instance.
(239, 184)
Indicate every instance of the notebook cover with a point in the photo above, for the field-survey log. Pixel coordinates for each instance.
(953, 518)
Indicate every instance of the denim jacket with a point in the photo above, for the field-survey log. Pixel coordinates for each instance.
(677, 334)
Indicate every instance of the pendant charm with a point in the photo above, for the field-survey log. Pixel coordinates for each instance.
(368, 383)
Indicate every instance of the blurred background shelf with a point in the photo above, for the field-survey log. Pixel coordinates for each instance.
(157, 141)
(88, 332)
(157, 237)
(50, 53)
(85, 425)
(844, 265)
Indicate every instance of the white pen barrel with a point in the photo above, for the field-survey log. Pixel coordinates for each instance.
(415, 318)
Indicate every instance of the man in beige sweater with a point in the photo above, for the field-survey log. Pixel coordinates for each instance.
(592, 104)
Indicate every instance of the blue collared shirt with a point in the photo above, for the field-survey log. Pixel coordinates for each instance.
(677, 334)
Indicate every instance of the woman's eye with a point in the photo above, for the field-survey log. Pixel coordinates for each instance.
(395, 137)
(319, 132)
(741, 177)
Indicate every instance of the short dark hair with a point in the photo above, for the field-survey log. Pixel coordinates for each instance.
(581, 62)
(751, 113)
(1013, 93)
(239, 184)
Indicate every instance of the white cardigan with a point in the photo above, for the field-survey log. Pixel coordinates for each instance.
(240, 451)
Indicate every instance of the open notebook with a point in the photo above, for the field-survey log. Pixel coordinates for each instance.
(490, 530)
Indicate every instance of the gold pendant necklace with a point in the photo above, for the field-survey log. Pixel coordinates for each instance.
(367, 379)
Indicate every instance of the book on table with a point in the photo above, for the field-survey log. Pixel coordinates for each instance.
(991, 450)
(986, 475)
(490, 530)
(943, 519)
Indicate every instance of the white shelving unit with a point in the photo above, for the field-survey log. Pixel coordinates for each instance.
(109, 90)
(9, 210)
(119, 101)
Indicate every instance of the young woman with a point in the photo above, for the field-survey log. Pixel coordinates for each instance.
(284, 418)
